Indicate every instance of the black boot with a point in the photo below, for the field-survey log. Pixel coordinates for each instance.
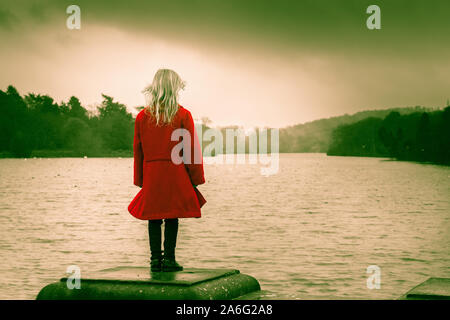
(154, 235)
(170, 240)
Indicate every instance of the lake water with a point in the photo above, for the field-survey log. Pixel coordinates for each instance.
(308, 232)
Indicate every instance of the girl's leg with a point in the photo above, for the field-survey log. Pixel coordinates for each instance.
(154, 236)
(170, 241)
(170, 237)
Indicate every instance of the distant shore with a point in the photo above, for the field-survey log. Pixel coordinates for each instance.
(70, 154)
(129, 154)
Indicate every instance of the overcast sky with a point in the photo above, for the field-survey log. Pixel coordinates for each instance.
(246, 62)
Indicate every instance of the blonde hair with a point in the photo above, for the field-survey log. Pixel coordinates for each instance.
(162, 96)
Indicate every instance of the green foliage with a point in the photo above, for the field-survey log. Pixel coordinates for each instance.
(358, 139)
(78, 136)
(115, 124)
(316, 136)
(418, 136)
(35, 124)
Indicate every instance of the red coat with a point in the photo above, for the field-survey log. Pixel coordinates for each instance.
(167, 188)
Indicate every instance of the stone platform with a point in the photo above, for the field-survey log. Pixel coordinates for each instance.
(126, 283)
(432, 289)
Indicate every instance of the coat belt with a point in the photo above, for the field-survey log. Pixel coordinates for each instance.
(158, 159)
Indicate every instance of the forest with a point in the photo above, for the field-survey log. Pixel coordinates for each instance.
(37, 126)
(316, 136)
(418, 136)
(34, 125)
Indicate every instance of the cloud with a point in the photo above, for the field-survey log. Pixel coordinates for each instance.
(257, 61)
(7, 19)
(273, 25)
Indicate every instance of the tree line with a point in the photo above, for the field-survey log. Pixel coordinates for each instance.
(316, 136)
(36, 123)
(418, 136)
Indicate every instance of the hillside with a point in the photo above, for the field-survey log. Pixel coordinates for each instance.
(418, 136)
(315, 136)
(36, 125)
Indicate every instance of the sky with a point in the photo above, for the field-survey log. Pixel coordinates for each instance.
(246, 62)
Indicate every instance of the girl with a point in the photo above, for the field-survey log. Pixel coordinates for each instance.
(168, 185)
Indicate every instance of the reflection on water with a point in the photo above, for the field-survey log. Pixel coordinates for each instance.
(309, 231)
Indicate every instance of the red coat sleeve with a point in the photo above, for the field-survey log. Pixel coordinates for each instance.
(138, 155)
(194, 167)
